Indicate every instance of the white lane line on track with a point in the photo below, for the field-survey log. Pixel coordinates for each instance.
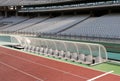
(65, 72)
(100, 76)
(21, 71)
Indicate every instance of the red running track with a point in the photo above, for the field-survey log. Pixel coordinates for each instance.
(20, 66)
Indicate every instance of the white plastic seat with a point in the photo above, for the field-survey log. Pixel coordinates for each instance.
(50, 51)
(81, 58)
(89, 59)
(32, 49)
(61, 54)
(98, 59)
(41, 50)
(45, 51)
(37, 49)
(74, 57)
(67, 55)
(56, 53)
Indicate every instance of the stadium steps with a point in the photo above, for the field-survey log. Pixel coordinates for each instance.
(33, 24)
(15, 24)
(72, 25)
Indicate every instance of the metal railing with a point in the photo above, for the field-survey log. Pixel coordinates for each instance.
(78, 5)
(94, 38)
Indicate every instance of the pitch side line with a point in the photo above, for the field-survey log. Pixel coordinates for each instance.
(92, 79)
(21, 71)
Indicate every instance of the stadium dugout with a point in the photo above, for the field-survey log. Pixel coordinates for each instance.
(86, 53)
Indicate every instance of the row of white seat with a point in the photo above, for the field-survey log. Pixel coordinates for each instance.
(80, 58)
(45, 24)
(98, 27)
(10, 21)
(25, 24)
(56, 24)
(27, 2)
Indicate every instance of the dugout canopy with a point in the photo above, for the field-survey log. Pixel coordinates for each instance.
(97, 51)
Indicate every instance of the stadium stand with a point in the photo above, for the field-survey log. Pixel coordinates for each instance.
(1, 17)
(25, 24)
(97, 27)
(2, 1)
(28, 2)
(11, 2)
(54, 25)
(41, 1)
(10, 21)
